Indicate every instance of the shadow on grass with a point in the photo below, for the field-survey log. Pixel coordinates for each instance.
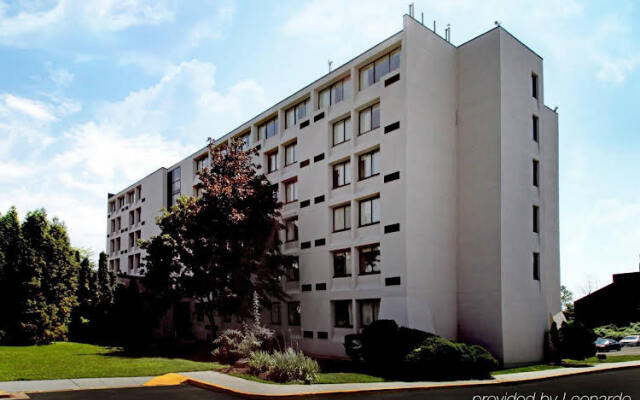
(196, 352)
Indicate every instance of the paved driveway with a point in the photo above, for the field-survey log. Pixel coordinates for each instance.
(607, 383)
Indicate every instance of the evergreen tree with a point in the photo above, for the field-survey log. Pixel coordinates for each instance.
(222, 247)
(11, 279)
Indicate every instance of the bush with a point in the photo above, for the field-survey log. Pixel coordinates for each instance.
(354, 348)
(233, 344)
(576, 341)
(439, 358)
(383, 345)
(612, 331)
(286, 366)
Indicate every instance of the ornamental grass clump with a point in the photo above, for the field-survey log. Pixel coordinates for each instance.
(284, 366)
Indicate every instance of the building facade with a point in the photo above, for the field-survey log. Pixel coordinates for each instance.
(420, 184)
(617, 303)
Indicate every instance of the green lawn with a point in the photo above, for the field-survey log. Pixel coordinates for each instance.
(568, 363)
(76, 360)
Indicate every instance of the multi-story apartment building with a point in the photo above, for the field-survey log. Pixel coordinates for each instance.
(420, 184)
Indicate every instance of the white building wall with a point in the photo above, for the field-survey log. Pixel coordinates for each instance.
(463, 199)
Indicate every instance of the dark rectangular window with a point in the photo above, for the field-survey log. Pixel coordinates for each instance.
(275, 313)
(535, 120)
(321, 286)
(307, 334)
(536, 219)
(341, 174)
(296, 113)
(536, 166)
(272, 161)
(370, 211)
(293, 313)
(174, 186)
(292, 229)
(534, 86)
(536, 266)
(342, 131)
(268, 129)
(342, 218)
(343, 317)
(369, 119)
(293, 273)
(369, 164)
(341, 263)
(372, 72)
(369, 262)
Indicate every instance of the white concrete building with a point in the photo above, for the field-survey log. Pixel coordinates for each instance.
(420, 182)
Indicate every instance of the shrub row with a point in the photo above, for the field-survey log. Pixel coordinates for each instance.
(387, 349)
(573, 340)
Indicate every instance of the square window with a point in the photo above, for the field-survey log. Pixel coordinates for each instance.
(369, 164)
(342, 218)
(369, 118)
(341, 263)
(342, 131)
(369, 262)
(342, 174)
(343, 317)
(369, 310)
(370, 211)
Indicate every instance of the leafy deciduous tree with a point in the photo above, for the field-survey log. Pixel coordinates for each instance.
(221, 247)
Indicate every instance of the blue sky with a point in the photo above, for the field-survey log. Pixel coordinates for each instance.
(96, 94)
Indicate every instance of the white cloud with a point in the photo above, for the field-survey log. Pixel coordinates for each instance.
(59, 76)
(34, 23)
(616, 69)
(124, 141)
(34, 109)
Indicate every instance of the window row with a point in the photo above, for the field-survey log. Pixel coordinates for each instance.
(368, 263)
(368, 166)
(273, 159)
(132, 196)
(368, 309)
(372, 72)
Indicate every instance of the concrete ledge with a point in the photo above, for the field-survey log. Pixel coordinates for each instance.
(226, 383)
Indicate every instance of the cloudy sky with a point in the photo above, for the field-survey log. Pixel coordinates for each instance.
(96, 94)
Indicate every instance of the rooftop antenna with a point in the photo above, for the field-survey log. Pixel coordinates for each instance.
(555, 109)
(447, 33)
(411, 5)
(330, 63)
(422, 18)
(434, 26)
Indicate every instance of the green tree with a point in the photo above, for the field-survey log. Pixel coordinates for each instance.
(38, 278)
(221, 247)
(566, 297)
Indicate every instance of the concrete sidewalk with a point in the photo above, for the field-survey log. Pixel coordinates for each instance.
(219, 381)
(72, 384)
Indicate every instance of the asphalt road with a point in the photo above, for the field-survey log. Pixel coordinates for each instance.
(624, 384)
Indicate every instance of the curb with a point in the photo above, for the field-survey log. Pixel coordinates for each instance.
(177, 379)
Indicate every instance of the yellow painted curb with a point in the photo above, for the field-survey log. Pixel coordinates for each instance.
(167, 380)
(177, 379)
